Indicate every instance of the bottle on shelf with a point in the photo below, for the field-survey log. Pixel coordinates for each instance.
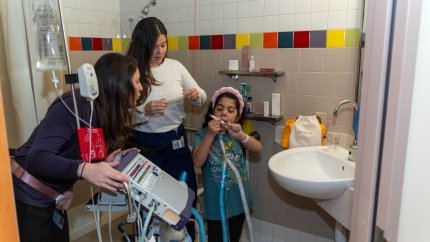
(249, 105)
(252, 66)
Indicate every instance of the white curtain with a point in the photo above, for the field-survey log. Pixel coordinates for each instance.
(27, 92)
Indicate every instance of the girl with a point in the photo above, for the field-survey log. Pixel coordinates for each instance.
(223, 122)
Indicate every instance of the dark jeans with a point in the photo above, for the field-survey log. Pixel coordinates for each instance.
(235, 225)
(174, 162)
(36, 225)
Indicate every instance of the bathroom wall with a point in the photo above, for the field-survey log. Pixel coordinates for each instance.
(314, 41)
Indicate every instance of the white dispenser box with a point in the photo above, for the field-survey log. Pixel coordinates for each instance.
(276, 104)
(233, 65)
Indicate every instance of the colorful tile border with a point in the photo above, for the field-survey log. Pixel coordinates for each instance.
(334, 38)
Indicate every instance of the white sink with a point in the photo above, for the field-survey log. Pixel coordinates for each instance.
(317, 172)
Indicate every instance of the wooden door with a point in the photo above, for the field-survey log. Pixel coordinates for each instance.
(8, 221)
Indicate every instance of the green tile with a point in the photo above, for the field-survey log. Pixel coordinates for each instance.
(125, 43)
(256, 40)
(352, 37)
(182, 42)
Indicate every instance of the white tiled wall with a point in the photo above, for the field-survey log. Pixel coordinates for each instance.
(105, 18)
(183, 18)
(94, 18)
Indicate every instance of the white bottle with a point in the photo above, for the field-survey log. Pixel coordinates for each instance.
(252, 63)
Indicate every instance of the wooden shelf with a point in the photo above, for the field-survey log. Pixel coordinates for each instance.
(258, 117)
(235, 74)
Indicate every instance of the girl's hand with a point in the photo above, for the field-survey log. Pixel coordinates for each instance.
(214, 127)
(155, 107)
(235, 130)
(192, 94)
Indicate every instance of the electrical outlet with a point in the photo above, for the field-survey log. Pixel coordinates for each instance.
(323, 117)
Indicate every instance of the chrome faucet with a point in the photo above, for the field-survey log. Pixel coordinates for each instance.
(353, 148)
(342, 103)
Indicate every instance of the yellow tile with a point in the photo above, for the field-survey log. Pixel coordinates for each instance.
(173, 43)
(336, 38)
(116, 44)
(241, 40)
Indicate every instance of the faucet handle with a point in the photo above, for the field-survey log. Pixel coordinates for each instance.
(352, 156)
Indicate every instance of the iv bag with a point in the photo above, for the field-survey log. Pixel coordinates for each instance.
(51, 54)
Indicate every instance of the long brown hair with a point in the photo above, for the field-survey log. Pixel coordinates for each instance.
(143, 41)
(115, 106)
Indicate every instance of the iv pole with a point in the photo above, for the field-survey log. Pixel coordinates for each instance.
(66, 45)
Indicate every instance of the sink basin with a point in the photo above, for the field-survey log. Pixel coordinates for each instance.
(317, 172)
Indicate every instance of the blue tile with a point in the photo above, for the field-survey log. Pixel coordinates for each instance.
(205, 42)
(318, 39)
(107, 44)
(86, 44)
(285, 40)
(230, 41)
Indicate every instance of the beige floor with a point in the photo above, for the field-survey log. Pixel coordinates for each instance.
(116, 234)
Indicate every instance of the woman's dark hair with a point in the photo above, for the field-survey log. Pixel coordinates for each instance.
(236, 104)
(115, 106)
(143, 41)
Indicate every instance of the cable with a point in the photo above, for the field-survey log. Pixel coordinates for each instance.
(110, 221)
(55, 81)
(241, 189)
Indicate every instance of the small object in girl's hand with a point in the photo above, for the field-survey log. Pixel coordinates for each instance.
(222, 122)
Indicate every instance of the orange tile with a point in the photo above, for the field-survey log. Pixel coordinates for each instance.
(75, 43)
(193, 42)
(270, 40)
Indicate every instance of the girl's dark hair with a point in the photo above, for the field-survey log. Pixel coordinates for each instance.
(236, 104)
(143, 40)
(115, 106)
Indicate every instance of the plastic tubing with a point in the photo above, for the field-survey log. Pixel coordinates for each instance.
(200, 224)
(241, 189)
(145, 226)
(222, 207)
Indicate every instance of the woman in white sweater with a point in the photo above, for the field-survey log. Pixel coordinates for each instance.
(159, 132)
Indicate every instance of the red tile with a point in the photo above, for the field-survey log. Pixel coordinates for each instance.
(301, 39)
(97, 44)
(216, 42)
(270, 40)
(193, 42)
(75, 43)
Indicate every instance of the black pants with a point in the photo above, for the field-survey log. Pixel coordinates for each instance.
(235, 225)
(174, 162)
(36, 224)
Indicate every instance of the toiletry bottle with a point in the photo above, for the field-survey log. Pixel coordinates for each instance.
(245, 58)
(249, 105)
(252, 63)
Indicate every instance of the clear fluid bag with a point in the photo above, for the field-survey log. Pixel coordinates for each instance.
(51, 54)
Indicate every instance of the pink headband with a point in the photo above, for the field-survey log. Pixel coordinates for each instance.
(229, 90)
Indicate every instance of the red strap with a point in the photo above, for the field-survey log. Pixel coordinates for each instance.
(26, 177)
